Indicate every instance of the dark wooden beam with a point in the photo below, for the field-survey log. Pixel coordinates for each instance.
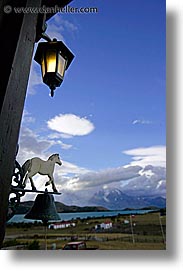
(9, 39)
(12, 107)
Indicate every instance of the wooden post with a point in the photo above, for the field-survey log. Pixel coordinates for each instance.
(13, 103)
(131, 225)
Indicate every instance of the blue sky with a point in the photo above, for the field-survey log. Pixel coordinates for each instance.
(110, 109)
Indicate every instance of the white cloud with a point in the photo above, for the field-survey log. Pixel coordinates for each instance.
(141, 121)
(104, 177)
(71, 124)
(55, 31)
(33, 145)
(35, 78)
(155, 155)
(57, 135)
(69, 169)
(64, 145)
(57, 25)
(27, 118)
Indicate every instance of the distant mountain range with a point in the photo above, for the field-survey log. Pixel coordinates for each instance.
(25, 206)
(103, 200)
(115, 199)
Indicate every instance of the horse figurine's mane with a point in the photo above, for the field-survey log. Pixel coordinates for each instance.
(52, 156)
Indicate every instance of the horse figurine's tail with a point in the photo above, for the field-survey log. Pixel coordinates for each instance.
(26, 166)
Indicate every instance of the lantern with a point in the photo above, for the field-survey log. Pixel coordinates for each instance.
(54, 58)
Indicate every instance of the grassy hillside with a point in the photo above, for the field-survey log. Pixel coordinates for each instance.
(149, 232)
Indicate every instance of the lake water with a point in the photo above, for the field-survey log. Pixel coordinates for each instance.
(82, 215)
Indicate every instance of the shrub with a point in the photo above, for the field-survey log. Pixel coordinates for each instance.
(34, 245)
(12, 242)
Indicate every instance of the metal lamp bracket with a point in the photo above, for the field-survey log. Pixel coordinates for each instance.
(41, 28)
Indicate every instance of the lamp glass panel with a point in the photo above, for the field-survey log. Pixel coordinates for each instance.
(43, 67)
(51, 61)
(61, 65)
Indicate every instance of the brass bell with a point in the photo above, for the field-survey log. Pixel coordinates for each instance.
(43, 209)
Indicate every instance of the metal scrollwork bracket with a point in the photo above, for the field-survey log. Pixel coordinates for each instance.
(16, 191)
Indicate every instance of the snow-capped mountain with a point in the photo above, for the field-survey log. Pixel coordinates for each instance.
(116, 199)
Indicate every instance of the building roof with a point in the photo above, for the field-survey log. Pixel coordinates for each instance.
(63, 222)
(107, 222)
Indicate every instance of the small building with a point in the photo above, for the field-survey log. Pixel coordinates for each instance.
(104, 225)
(59, 225)
(126, 222)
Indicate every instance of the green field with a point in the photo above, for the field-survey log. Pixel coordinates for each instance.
(149, 233)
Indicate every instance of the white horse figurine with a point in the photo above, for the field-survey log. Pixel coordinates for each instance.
(36, 165)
